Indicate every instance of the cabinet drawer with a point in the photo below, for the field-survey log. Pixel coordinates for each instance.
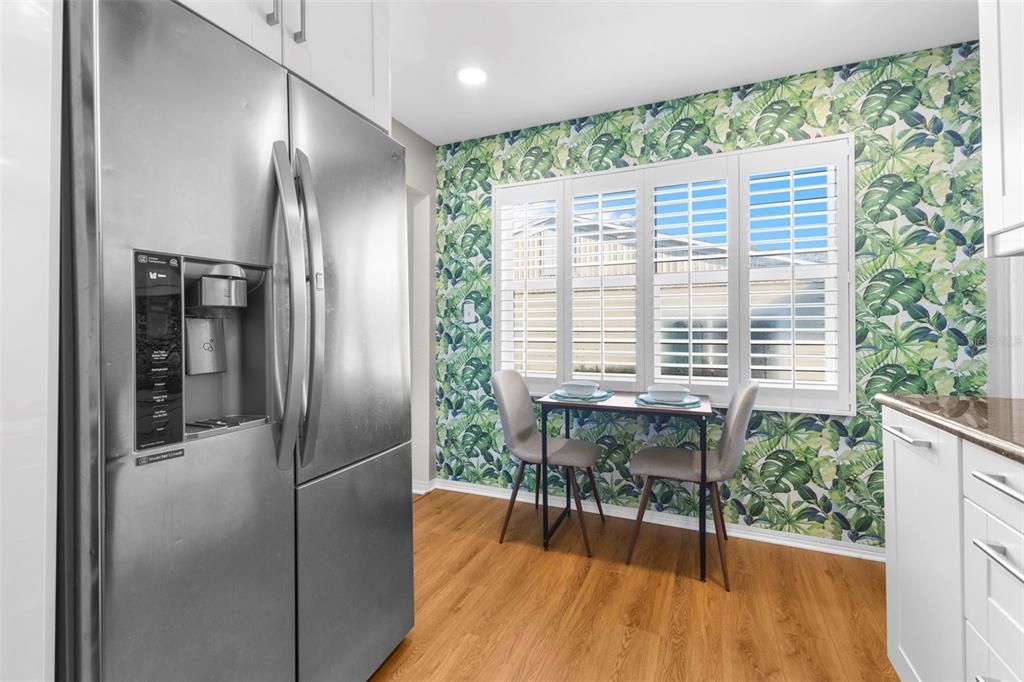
(910, 431)
(994, 584)
(982, 664)
(995, 483)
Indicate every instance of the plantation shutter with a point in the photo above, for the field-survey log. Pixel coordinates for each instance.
(703, 271)
(604, 261)
(798, 264)
(526, 274)
(690, 235)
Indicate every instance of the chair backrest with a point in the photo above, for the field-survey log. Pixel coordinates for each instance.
(734, 432)
(518, 420)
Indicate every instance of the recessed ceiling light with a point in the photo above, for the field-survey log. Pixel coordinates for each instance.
(471, 75)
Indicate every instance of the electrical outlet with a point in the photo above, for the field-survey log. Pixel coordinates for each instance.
(468, 312)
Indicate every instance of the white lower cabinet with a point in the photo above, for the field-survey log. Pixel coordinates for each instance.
(994, 587)
(923, 573)
(954, 518)
(983, 665)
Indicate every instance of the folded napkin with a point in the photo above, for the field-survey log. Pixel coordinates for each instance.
(646, 399)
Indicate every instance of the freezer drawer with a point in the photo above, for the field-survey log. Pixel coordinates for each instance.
(354, 567)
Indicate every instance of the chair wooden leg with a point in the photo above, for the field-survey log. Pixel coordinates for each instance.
(512, 500)
(536, 490)
(570, 473)
(716, 509)
(644, 499)
(593, 486)
(717, 501)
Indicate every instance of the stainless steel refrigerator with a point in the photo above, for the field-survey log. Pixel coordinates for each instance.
(235, 479)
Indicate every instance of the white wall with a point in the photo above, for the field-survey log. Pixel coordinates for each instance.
(30, 39)
(421, 186)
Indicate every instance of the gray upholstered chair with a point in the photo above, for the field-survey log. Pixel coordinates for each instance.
(684, 465)
(519, 424)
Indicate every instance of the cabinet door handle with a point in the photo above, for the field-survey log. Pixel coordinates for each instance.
(300, 35)
(897, 431)
(980, 678)
(997, 553)
(274, 18)
(999, 483)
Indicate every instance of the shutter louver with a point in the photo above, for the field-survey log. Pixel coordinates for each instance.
(604, 266)
(793, 266)
(691, 289)
(529, 310)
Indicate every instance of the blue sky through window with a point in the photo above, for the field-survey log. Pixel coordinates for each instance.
(792, 210)
(698, 210)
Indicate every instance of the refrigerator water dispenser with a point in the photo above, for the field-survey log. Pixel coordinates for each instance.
(226, 325)
(204, 345)
(223, 285)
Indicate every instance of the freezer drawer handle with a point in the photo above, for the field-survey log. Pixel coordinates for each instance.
(298, 342)
(274, 18)
(997, 553)
(318, 324)
(300, 35)
(897, 431)
(999, 483)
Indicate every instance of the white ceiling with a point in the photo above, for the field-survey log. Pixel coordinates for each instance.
(551, 61)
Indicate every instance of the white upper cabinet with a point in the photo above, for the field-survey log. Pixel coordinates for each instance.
(251, 21)
(1001, 32)
(342, 48)
(339, 46)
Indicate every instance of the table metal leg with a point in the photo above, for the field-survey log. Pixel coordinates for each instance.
(568, 487)
(702, 523)
(544, 470)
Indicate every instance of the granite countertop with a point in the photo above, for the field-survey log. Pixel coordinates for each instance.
(993, 423)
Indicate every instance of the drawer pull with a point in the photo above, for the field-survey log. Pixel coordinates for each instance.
(898, 432)
(981, 678)
(997, 553)
(999, 483)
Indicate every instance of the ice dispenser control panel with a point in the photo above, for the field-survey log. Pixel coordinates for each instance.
(158, 350)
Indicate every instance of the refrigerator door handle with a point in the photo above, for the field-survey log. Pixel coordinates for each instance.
(297, 339)
(307, 449)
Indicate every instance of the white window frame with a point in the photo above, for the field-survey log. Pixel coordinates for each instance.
(715, 167)
(734, 167)
(837, 152)
(519, 194)
(604, 183)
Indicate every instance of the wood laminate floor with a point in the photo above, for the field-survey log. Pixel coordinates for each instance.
(486, 611)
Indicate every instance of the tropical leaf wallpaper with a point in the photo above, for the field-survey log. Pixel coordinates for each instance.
(920, 301)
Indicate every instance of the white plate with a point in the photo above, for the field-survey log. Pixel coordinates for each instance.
(688, 401)
(600, 393)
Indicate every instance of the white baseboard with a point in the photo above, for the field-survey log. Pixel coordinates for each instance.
(422, 487)
(774, 537)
